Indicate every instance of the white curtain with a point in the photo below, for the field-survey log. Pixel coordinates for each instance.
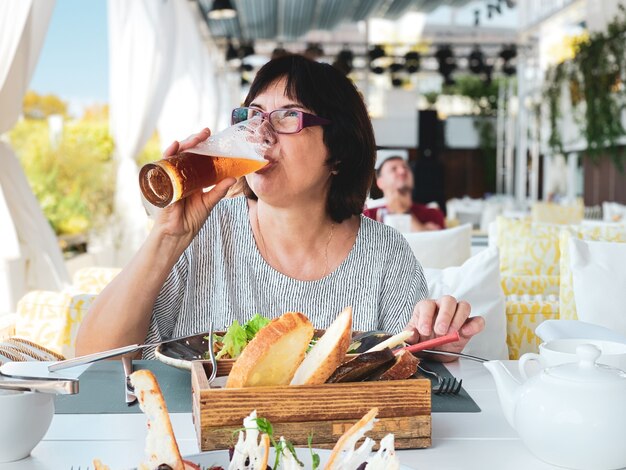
(142, 37)
(193, 100)
(30, 257)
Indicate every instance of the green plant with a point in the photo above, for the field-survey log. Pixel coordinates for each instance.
(595, 77)
(73, 182)
(484, 97)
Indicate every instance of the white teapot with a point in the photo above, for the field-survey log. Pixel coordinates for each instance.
(571, 415)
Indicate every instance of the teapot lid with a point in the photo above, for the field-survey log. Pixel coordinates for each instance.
(586, 369)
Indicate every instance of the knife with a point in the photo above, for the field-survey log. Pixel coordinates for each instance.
(129, 391)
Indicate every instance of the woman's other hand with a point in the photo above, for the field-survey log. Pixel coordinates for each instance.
(184, 218)
(433, 318)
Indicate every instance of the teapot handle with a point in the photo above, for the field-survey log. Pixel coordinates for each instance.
(525, 359)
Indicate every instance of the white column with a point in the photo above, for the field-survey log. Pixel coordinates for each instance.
(500, 122)
(509, 141)
(521, 165)
(572, 176)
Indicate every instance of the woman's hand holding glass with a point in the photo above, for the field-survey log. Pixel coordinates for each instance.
(184, 218)
(433, 318)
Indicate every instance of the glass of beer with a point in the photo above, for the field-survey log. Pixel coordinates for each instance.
(233, 152)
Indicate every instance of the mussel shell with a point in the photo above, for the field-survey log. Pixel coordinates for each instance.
(367, 340)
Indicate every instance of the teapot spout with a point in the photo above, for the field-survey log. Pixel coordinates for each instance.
(507, 386)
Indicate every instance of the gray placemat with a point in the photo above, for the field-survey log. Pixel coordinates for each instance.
(101, 390)
(461, 403)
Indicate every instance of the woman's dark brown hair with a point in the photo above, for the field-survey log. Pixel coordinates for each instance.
(349, 138)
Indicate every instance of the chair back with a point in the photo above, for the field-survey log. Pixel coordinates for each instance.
(442, 248)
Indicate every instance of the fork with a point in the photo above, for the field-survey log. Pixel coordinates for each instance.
(129, 390)
(445, 385)
(211, 377)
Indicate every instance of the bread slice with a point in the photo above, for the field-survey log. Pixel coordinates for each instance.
(403, 367)
(328, 353)
(274, 354)
(161, 446)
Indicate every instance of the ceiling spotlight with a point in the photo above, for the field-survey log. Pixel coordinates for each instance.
(396, 81)
(279, 51)
(395, 67)
(344, 60)
(376, 52)
(377, 70)
(446, 63)
(246, 49)
(476, 60)
(412, 61)
(508, 52)
(313, 51)
(231, 51)
(222, 10)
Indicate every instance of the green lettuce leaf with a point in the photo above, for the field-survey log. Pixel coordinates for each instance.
(253, 325)
(233, 341)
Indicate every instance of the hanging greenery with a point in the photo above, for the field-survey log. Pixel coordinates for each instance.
(595, 79)
(484, 96)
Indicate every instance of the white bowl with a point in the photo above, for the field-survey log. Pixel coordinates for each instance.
(25, 419)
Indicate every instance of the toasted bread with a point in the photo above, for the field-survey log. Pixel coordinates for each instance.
(161, 446)
(328, 353)
(274, 354)
(403, 367)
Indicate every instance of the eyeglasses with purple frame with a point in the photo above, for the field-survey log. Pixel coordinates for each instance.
(283, 121)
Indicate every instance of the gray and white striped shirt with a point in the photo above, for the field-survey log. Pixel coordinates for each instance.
(223, 277)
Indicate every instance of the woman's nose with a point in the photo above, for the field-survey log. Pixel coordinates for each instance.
(267, 132)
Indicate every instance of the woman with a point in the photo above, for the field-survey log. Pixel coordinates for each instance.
(295, 242)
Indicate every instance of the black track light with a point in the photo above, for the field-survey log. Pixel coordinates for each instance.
(231, 51)
(476, 60)
(412, 61)
(222, 10)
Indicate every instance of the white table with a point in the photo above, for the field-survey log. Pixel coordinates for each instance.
(468, 441)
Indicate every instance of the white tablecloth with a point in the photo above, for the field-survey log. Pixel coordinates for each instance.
(461, 441)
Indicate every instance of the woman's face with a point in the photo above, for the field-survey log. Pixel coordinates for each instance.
(296, 171)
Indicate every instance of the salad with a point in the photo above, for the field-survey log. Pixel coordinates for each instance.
(230, 344)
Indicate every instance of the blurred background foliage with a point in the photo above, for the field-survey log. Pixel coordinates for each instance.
(71, 174)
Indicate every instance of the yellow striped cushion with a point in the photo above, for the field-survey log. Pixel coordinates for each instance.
(93, 279)
(522, 319)
(51, 319)
(530, 285)
(528, 248)
(550, 213)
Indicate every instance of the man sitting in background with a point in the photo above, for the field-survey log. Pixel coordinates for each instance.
(395, 180)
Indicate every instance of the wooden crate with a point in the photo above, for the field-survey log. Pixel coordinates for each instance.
(326, 410)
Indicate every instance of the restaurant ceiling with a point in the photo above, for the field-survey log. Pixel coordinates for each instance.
(282, 20)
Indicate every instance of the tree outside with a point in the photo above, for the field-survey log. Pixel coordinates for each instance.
(72, 177)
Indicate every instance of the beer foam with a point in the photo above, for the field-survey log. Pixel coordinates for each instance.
(242, 140)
